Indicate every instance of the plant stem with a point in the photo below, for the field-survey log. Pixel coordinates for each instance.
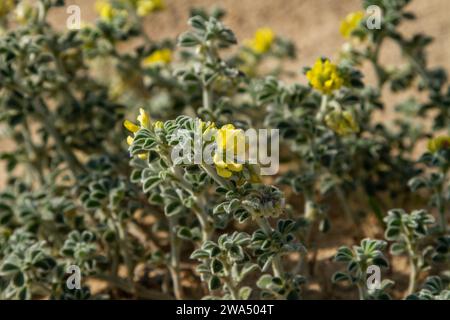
(413, 261)
(233, 291)
(441, 204)
(344, 204)
(207, 98)
(206, 226)
(202, 217)
(175, 250)
(379, 72)
(323, 108)
(123, 246)
(412, 276)
(212, 173)
(361, 291)
(32, 152)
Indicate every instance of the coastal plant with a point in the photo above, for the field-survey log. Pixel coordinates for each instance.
(128, 159)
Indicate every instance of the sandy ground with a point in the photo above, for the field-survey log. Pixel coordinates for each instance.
(311, 24)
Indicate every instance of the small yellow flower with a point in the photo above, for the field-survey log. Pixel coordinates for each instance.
(131, 126)
(342, 122)
(163, 56)
(143, 119)
(6, 6)
(144, 7)
(230, 138)
(438, 144)
(107, 12)
(262, 40)
(144, 123)
(324, 76)
(230, 141)
(350, 23)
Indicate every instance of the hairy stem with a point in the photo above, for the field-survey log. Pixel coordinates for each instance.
(344, 204)
(175, 251)
(233, 290)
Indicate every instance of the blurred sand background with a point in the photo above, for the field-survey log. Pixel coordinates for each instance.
(313, 25)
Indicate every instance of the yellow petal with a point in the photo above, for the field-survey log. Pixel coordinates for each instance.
(227, 127)
(130, 140)
(223, 172)
(236, 167)
(163, 56)
(350, 23)
(219, 162)
(131, 126)
(143, 118)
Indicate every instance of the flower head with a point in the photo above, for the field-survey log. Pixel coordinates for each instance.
(143, 123)
(144, 7)
(324, 76)
(230, 150)
(163, 56)
(439, 143)
(350, 23)
(342, 122)
(262, 40)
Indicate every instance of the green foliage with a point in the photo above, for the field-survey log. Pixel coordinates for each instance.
(434, 288)
(358, 260)
(145, 223)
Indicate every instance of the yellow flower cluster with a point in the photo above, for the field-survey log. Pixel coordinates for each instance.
(145, 7)
(324, 76)
(107, 12)
(350, 23)
(341, 122)
(262, 40)
(230, 141)
(143, 123)
(6, 6)
(438, 144)
(163, 56)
